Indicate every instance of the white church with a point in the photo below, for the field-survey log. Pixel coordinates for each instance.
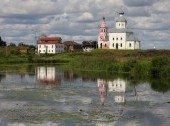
(120, 38)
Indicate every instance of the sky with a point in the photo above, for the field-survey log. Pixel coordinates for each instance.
(79, 20)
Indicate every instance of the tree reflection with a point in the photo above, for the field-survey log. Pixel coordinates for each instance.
(160, 85)
(1, 77)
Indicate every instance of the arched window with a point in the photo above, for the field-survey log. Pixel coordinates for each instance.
(113, 38)
(105, 45)
(100, 45)
(121, 38)
(113, 44)
(130, 45)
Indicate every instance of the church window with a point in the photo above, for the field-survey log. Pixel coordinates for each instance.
(121, 45)
(100, 45)
(113, 38)
(121, 38)
(116, 38)
(130, 45)
(105, 45)
(113, 45)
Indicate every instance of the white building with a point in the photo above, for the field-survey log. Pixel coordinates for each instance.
(50, 45)
(121, 38)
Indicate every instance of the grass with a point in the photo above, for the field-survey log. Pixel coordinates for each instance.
(136, 62)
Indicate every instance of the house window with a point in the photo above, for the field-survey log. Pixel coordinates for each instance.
(130, 45)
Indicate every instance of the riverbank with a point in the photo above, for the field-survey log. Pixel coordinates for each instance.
(139, 63)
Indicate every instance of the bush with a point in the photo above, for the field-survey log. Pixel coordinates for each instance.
(159, 66)
(129, 65)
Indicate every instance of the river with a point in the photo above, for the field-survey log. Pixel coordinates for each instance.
(52, 95)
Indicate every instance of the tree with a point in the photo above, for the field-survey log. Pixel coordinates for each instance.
(12, 45)
(2, 43)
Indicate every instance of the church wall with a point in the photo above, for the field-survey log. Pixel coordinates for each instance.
(117, 40)
(130, 45)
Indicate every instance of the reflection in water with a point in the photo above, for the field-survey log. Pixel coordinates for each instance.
(47, 75)
(2, 76)
(25, 101)
(117, 86)
(102, 90)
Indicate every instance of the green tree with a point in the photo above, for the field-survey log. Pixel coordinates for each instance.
(2, 43)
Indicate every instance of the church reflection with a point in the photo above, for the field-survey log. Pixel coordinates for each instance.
(117, 86)
(102, 85)
(47, 75)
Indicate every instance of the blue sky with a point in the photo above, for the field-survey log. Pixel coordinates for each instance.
(79, 20)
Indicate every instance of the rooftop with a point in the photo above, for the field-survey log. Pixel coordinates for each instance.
(49, 40)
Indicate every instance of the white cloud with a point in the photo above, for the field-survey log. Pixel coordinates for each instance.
(86, 16)
(80, 19)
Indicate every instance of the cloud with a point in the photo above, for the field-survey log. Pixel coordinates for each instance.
(79, 19)
(86, 16)
(138, 3)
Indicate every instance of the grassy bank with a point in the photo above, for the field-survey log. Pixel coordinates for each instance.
(140, 63)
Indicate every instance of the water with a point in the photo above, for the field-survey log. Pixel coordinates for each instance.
(56, 96)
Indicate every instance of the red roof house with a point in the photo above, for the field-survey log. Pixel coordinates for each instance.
(49, 40)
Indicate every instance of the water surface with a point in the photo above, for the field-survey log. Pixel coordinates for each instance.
(54, 95)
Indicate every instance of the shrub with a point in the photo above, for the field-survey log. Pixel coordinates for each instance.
(159, 65)
(128, 65)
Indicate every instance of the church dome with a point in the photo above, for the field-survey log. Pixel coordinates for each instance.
(121, 19)
(103, 24)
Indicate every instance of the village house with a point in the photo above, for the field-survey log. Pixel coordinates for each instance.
(23, 50)
(50, 45)
(121, 38)
(71, 46)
